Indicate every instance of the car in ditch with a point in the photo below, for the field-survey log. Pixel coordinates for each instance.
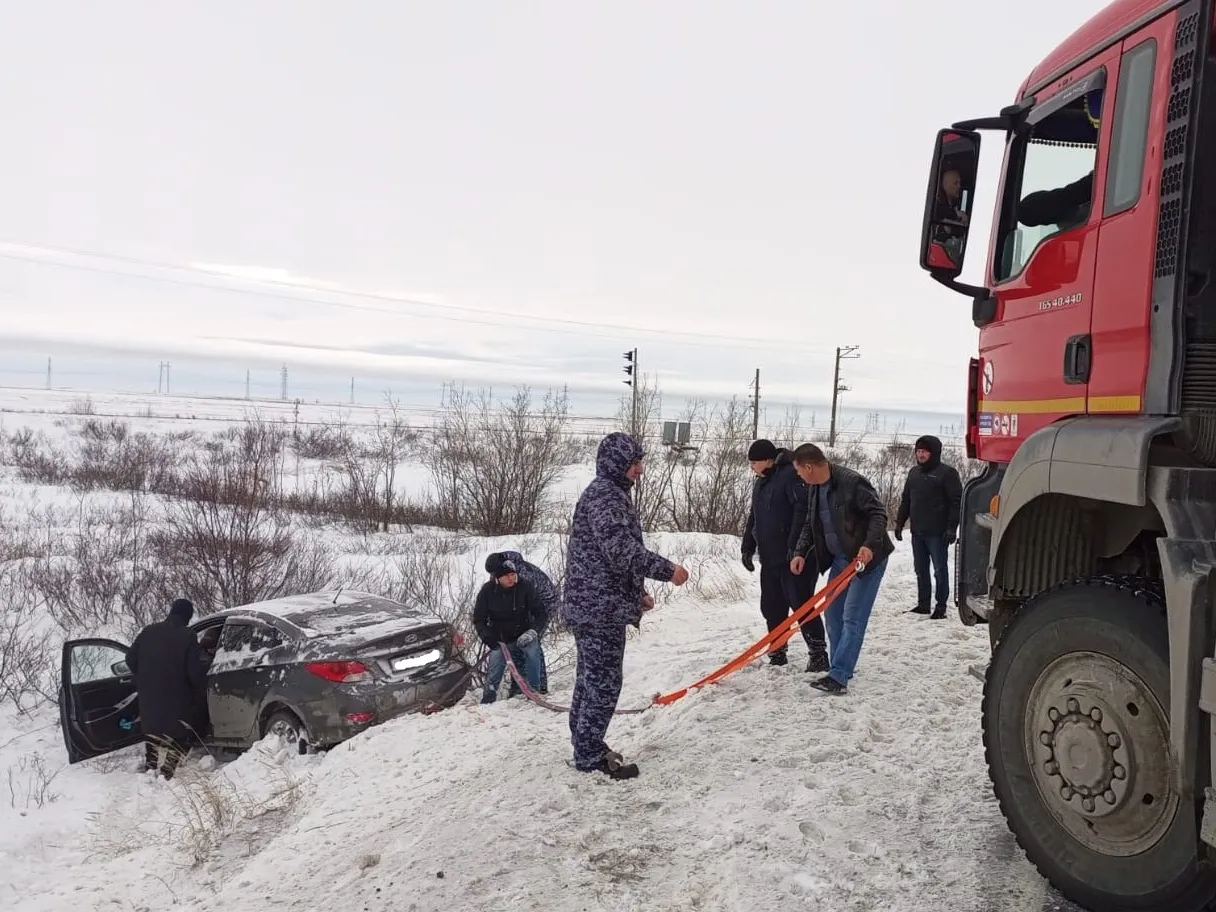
(315, 668)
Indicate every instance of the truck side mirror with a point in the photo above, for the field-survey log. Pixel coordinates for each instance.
(949, 202)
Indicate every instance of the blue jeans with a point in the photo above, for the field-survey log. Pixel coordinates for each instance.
(527, 661)
(848, 616)
(926, 548)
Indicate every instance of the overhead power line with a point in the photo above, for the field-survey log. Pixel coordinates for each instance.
(447, 312)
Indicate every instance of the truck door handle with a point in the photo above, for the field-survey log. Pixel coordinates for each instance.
(1078, 357)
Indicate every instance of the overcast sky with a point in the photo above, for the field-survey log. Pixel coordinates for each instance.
(513, 191)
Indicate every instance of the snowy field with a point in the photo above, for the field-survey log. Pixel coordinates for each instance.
(757, 793)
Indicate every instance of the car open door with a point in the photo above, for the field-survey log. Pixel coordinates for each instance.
(98, 705)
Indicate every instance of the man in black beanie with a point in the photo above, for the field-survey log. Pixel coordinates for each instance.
(774, 522)
(171, 680)
(932, 497)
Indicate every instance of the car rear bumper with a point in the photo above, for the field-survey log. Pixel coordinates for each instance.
(350, 709)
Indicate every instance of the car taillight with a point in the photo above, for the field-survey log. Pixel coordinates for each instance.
(457, 639)
(339, 672)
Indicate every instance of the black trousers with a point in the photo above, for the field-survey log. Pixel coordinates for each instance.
(173, 754)
(781, 592)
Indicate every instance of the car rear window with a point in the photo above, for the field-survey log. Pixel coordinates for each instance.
(331, 619)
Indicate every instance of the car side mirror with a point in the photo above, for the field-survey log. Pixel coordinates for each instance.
(121, 670)
(949, 203)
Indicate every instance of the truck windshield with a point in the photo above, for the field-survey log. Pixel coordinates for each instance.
(1049, 187)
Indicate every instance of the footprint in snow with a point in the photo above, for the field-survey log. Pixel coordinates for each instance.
(812, 831)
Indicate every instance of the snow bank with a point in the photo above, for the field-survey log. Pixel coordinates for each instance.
(757, 793)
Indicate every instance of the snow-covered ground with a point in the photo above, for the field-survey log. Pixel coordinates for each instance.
(757, 793)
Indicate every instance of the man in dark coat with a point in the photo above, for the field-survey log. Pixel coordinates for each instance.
(606, 568)
(509, 612)
(550, 602)
(171, 680)
(846, 522)
(931, 500)
(774, 522)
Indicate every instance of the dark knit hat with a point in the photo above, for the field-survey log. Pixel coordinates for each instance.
(498, 566)
(761, 449)
(930, 443)
(182, 608)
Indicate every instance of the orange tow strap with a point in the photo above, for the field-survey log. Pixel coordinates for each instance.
(775, 639)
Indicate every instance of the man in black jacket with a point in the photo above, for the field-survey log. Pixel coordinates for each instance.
(931, 499)
(774, 523)
(171, 680)
(509, 612)
(845, 522)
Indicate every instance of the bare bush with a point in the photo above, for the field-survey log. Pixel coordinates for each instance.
(81, 405)
(711, 491)
(27, 647)
(30, 783)
(494, 468)
(369, 470)
(101, 573)
(225, 542)
(36, 461)
(111, 457)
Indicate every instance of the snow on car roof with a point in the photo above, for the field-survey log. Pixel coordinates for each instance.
(338, 611)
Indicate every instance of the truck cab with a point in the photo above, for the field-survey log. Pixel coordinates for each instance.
(1087, 543)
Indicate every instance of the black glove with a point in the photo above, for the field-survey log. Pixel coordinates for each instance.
(951, 536)
(899, 533)
(748, 564)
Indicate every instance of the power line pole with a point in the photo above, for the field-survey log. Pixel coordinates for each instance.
(246, 383)
(631, 368)
(283, 384)
(160, 378)
(842, 352)
(48, 373)
(168, 366)
(352, 390)
(756, 406)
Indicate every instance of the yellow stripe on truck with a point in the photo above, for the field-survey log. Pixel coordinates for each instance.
(1070, 405)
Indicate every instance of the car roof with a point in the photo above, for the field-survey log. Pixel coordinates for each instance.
(292, 610)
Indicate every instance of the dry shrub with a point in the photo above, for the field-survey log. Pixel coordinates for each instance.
(226, 544)
(493, 467)
(99, 573)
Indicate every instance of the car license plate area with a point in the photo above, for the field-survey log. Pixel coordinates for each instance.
(414, 662)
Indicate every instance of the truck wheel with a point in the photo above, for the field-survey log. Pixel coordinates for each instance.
(1076, 735)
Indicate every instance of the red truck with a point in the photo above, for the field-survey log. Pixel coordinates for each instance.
(1088, 542)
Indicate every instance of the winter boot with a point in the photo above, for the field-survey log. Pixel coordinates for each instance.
(939, 613)
(612, 767)
(778, 657)
(817, 661)
(920, 609)
(829, 685)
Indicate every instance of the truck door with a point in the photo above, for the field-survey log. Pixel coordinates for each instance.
(1036, 357)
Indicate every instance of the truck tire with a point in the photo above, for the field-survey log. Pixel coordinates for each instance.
(1076, 735)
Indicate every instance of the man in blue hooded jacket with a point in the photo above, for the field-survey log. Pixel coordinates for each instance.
(606, 568)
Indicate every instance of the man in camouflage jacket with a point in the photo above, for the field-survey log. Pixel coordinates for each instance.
(606, 568)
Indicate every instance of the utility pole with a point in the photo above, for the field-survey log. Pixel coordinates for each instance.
(160, 378)
(48, 373)
(168, 365)
(246, 383)
(283, 384)
(631, 368)
(352, 390)
(842, 352)
(756, 406)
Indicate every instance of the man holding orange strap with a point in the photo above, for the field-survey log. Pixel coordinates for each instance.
(845, 522)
